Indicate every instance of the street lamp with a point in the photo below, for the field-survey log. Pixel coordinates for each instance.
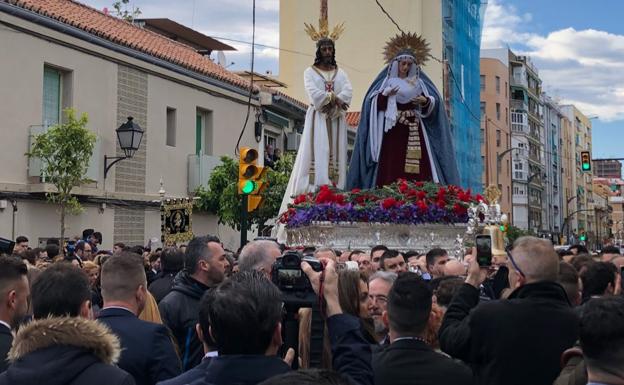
(129, 135)
(499, 157)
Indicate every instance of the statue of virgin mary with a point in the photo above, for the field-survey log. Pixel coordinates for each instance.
(404, 130)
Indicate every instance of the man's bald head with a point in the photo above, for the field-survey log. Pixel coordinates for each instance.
(536, 258)
(618, 261)
(259, 255)
(326, 252)
(454, 268)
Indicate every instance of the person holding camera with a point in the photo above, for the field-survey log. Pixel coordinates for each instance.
(354, 300)
(245, 315)
(518, 340)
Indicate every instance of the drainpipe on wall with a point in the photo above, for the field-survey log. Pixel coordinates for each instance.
(14, 204)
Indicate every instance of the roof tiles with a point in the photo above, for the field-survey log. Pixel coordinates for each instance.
(126, 34)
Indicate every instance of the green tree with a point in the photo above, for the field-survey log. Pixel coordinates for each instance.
(515, 232)
(220, 197)
(121, 9)
(65, 151)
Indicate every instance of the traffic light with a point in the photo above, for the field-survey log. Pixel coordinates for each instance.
(250, 177)
(583, 237)
(585, 161)
(247, 169)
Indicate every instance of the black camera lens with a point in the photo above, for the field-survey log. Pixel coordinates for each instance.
(291, 259)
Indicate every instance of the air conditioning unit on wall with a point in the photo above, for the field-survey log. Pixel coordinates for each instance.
(293, 139)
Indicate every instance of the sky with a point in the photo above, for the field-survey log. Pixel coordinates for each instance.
(577, 46)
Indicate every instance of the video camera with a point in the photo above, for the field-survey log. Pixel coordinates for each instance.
(6, 246)
(294, 284)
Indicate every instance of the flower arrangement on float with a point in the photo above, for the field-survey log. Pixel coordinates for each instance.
(403, 202)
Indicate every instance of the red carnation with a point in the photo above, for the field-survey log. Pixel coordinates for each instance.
(300, 199)
(388, 203)
(324, 196)
(421, 205)
(479, 198)
(421, 195)
(403, 187)
(355, 191)
(441, 193)
(463, 196)
(339, 199)
(459, 209)
(419, 184)
(441, 203)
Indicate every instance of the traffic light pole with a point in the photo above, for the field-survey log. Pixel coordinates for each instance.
(243, 218)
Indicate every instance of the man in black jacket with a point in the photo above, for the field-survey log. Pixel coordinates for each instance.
(245, 323)
(520, 340)
(147, 351)
(14, 293)
(210, 350)
(171, 262)
(63, 346)
(204, 267)
(408, 359)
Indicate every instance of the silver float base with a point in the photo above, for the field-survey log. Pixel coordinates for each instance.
(351, 236)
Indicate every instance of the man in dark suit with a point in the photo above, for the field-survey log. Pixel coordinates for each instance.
(14, 293)
(147, 351)
(408, 359)
(518, 340)
(63, 344)
(210, 350)
(245, 322)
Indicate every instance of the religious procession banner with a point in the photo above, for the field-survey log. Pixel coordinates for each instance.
(176, 216)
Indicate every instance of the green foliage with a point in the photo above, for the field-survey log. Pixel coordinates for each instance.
(65, 151)
(121, 9)
(514, 233)
(221, 195)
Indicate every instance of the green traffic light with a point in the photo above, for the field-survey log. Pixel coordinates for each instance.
(502, 228)
(583, 238)
(248, 187)
(585, 166)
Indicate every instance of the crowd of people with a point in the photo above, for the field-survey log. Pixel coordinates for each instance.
(200, 314)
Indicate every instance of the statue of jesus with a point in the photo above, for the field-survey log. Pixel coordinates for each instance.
(322, 155)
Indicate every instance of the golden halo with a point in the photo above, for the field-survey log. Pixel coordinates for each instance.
(410, 43)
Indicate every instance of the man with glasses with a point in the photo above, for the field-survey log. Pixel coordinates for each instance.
(379, 286)
(82, 252)
(518, 340)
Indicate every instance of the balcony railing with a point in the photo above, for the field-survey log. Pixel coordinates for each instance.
(517, 104)
(519, 80)
(519, 199)
(35, 165)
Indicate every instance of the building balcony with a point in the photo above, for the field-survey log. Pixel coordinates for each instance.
(519, 123)
(518, 105)
(35, 165)
(520, 128)
(534, 158)
(519, 81)
(519, 199)
(199, 170)
(519, 176)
